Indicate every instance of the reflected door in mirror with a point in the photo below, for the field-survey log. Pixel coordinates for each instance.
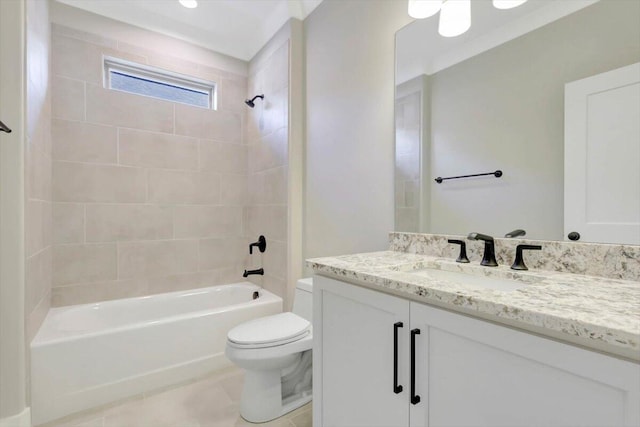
(602, 157)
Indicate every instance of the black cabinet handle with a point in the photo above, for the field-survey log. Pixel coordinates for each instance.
(415, 399)
(396, 387)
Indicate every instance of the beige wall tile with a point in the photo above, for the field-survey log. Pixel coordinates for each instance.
(81, 182)
(269, 187)
(170, 63)
(179, 282)
(38, 272)
(39, 123)
(68, 99)
(84, 263)
(68, 223)
(253, 117)
(120, 222)
(275, 285)
(149, 259)
(38, 173)
(269, 152)
(268, 220)
(76, 59)
(224, 126)
(98, 291)
(277, 69)
(183, 187)
(37, 315)
(84, 142)
(223, 157)
(37, 226)
(231, 95)
(207, 221)
(232, 274)
(123, 163)
(156, 150)
(61, 30)
(269, 116)
(233, 190)
(112, 107)
(275, 259)
(219, 253)
(276, 112)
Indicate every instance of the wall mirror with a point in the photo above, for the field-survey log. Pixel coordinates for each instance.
(494, 99)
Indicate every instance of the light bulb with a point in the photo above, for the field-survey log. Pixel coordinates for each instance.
(420, 9)
(189, 3)
(507, 4)
(455, 17)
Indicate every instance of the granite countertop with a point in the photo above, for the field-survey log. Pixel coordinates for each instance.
(595, 312)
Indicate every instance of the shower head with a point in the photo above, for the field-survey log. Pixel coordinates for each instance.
(250, 103)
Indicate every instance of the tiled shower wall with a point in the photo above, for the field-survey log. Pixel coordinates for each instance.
(38, 248)
(149, 195)
(268, 138)
(407, 170)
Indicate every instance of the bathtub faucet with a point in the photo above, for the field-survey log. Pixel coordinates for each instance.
(261, 244)
(259, 271)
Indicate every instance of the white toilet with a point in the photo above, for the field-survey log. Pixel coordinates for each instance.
(275, 352)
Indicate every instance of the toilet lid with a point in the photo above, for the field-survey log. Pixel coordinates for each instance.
(270, 330)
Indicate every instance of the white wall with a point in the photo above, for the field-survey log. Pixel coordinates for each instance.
(349, 203)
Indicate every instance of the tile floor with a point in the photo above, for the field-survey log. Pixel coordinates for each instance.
(209, 402)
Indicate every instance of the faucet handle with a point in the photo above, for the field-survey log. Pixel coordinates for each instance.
(518, 264)
(515, 233)
(462, 257)
(261, 244)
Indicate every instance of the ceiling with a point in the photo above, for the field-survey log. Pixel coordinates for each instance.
(238, 28)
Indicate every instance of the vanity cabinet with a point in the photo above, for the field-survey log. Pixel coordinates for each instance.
(353, 356)
(467, 371)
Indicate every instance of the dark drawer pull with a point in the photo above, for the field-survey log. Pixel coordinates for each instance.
(415, 399)
(396, 387)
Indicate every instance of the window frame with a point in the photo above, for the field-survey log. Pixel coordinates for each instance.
(160, 76)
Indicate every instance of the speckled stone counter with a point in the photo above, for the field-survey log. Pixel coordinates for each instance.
(596, 312)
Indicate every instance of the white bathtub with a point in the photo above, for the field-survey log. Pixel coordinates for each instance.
(89, 355)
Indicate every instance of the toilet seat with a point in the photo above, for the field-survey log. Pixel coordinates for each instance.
(269, 331)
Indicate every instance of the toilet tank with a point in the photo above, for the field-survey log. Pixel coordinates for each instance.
(302, 299)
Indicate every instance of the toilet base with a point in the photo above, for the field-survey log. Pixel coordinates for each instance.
(251, 415)
(262, 395)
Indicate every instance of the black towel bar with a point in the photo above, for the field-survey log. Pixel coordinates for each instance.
(497, 174)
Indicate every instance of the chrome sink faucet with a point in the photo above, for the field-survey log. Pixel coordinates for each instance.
(489, 257)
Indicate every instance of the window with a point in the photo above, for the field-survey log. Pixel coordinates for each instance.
(149, 81)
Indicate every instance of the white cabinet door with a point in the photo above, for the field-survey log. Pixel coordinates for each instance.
(475, 373)
(602, 157)
(353, 356)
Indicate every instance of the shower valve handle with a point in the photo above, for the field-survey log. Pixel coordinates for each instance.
(261, 244)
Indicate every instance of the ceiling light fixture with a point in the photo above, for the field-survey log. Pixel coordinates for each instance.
(190, 4)
(421, 9)
(455, 15)
(507, 4)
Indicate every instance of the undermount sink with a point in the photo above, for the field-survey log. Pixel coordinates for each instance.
(482, 282)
